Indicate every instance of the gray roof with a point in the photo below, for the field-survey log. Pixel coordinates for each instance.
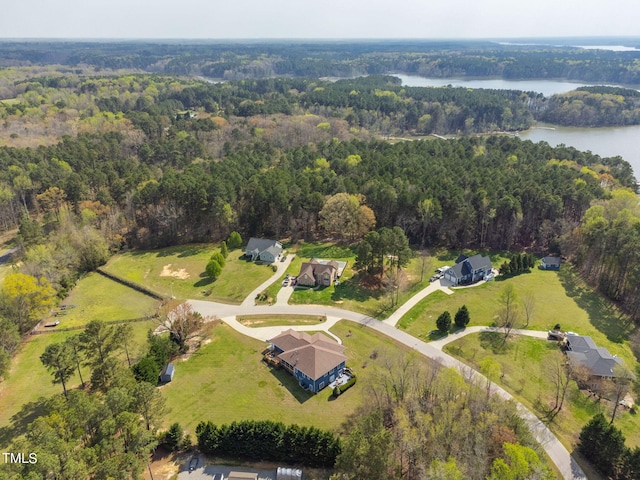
(578, 343)
(261, 244)
(599, 361)
(470, 264)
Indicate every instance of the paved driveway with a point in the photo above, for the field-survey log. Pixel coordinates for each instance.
(557, 452)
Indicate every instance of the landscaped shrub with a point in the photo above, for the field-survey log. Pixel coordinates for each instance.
(337, 390)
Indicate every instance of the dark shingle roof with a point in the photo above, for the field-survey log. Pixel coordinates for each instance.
(578, 343)
(262, 244)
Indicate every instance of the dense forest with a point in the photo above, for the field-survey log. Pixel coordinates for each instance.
(93, 161)
(593, 107)
(241, 60)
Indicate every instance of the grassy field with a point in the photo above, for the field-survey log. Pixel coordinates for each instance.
(234, 384)
(29, 381)
(560, 297)
(180, 271)
(350, 293)
(99, 298)
(525, 376)
(275, 320)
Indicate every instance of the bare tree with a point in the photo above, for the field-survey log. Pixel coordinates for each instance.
(619, 386)
(509, 313)
(529, 304)
(561, 378)
(180, 321)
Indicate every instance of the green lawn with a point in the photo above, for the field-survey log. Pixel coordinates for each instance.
(525, 376)
(350, 293)
(180, 271)
(560, 297)
(232, 383)
(275, 320)
(29, 381)
(98, 298)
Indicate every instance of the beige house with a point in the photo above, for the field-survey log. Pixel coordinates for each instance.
(313, 273)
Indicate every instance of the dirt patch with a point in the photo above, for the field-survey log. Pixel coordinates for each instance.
(165, 465)
(182, 274)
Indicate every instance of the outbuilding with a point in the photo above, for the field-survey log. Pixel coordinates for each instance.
(167, 373)
(285, 473)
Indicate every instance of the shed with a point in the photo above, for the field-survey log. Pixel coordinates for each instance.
(167, 373)
(285, 473)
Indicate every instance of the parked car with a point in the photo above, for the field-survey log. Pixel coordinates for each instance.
(434, 278)
(285, 283)
(284, 257)
(193, 463)
(218, 476)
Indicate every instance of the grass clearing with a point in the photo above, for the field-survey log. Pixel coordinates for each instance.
(560, 297)
(179, 271)
(99, 298)
(233, 383)
(275, 320)
(524, 375)
(350, 293)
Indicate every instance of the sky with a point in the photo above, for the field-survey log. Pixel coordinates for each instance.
(323, 19)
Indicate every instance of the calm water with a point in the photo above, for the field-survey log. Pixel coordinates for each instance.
(606, 142)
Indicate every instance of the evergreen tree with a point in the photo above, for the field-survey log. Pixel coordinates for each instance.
(234, 241)
(444, 322)
(213, 269)
(224, 251)
(603, 444)
(462, 317)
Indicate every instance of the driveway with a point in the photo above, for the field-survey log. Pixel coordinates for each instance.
(282, 267)
(440, 284)
(557, 452)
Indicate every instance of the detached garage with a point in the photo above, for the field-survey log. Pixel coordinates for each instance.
(166, 375)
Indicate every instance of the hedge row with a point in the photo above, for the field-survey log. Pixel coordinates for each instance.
(337, 390)
(270, 441)
(130, 284)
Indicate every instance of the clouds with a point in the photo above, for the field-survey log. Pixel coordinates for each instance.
(317, 19)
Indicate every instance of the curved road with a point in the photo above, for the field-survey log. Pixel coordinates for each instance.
(568, 467)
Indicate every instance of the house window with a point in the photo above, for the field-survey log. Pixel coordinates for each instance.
(321, 386)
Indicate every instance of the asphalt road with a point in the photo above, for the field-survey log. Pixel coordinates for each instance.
(557, 452)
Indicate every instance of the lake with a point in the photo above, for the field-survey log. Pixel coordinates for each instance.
(604, 141)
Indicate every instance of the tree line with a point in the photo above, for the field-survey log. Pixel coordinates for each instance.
(270, 441)
(235, 61)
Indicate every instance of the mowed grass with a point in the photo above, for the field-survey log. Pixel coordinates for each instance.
(180, 271)
(275, 320)
(525, 374)
(560, 297)
(226, 380)
(29, 381)
(97, 297)
(350, 293)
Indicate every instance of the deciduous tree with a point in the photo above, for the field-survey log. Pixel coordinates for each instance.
(25, 299)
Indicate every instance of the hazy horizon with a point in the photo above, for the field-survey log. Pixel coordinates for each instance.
(331, 20)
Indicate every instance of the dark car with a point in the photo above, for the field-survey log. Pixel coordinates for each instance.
(284, 257)
(193, 463)
(434, 278)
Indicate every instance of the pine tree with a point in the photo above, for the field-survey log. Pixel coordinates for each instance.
(444, 322)
(462, 317)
